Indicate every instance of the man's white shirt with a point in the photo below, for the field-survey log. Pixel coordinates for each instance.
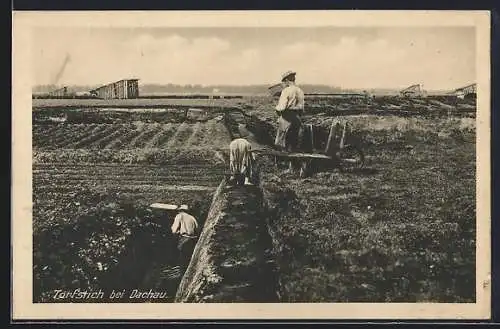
(292, 98)
(184, 224)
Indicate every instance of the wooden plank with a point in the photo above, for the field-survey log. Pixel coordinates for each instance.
(312, 136)
(164, 206)
(342, 140)
(330, 137)
(292, 155)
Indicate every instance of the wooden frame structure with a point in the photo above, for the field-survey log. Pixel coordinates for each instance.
(334, 151)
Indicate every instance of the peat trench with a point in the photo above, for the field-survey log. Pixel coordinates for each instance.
(232, 260)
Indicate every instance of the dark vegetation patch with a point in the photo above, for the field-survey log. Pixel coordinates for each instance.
(99, 238)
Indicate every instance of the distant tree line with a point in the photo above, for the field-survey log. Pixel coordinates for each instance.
(227, 89)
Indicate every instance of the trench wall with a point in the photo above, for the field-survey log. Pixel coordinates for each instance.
(231, 261)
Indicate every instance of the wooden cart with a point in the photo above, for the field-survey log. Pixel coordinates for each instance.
(342, 150)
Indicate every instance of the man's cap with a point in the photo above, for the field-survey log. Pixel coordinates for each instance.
(287, 74)
(183, 207)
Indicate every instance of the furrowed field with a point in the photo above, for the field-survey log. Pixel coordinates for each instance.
(93, 181)
(400, 229)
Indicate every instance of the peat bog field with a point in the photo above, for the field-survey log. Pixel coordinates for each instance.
(401, 229)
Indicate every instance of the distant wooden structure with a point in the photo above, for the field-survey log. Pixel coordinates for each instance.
(469, 91)
(123, 89)
(416, 90)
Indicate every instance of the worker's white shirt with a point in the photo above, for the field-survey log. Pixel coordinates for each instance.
(292, 98)
(240, 157)
(184, 224)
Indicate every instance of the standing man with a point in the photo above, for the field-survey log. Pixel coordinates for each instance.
(289, 109)
(186, 227)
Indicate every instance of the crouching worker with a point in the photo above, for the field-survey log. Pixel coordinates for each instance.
(241, 162)
(186, 227)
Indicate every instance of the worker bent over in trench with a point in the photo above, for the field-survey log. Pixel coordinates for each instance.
(241, 162)
(289, 110)
(186, 227)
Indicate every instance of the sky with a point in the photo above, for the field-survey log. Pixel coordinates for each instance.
(348, 57)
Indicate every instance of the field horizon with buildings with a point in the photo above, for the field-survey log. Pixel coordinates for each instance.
(168, 89)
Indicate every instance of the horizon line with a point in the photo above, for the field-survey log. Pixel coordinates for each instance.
(242, 85)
